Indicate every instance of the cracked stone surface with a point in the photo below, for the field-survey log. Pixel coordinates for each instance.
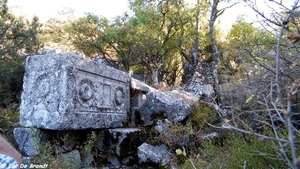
(67, 91)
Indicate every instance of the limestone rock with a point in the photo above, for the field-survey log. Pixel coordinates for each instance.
(158, 154)
(162, 126)
(114, 160)
(72, 159)
(202, 90)
(141, 86)
(66, 91)
(28, 140)
(171, 105)
(88, 160)
(137, 97)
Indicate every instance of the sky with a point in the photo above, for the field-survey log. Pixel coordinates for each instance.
(46, 9)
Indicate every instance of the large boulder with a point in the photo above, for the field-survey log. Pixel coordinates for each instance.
(173, 105)
(67, 91)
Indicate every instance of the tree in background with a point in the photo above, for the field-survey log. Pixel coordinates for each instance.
(159, 25)
(18, 39)
(150, 40)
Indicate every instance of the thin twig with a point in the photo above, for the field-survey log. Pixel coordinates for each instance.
(276, 135)
(226, 125)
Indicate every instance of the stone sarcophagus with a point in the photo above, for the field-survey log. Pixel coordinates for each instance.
(67, 91)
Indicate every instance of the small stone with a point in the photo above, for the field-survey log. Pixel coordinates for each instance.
(72, 159)
(114, 160)
(162, 126)
(128, 161)
(87, 161)
(157, 154)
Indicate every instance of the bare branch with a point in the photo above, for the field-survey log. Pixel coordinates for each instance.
(281, 147)
(226, 125)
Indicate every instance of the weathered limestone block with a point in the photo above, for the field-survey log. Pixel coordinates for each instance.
(29, 139)
(202, 90)
(138, 93)
(66, 91)
(171, 105)
(141, 86)
(157, 154)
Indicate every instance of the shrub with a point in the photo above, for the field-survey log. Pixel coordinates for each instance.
(201, 114)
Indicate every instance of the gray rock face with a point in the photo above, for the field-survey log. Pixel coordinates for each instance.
(138, 97)
(141, 86)
(170, 105)
(72, 159)
(66, 91)
(161, 126)
(28, 140)
(158, 154)
(202, 90)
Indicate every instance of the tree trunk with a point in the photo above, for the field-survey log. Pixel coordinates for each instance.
(213, 17)
(155, 77)
(195, 50)
(189, 68)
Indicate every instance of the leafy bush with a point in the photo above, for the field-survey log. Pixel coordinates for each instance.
(201, 114)
(239, 150)
(7, 116)
(11, 81)
(257, 153)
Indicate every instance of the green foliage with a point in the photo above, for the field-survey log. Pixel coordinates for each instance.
(249, 46)
(177, 135)
(180, 139)
(45, 155)
(152, 37)
(89, 144)
(18, 39)
(8, 120)
(201, 114)
(7, 116)
(11, 81)
(237, 151)
(256, 152)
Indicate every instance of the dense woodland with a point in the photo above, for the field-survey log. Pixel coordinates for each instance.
(255, 68)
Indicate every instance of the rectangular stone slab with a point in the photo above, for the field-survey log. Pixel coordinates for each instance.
(67, 91)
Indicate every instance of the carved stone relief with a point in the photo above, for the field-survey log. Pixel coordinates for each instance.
(97, 93)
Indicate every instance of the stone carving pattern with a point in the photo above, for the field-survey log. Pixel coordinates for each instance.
(119, 99)
(94, 93)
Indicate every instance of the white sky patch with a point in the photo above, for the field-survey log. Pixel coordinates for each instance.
(46, 9)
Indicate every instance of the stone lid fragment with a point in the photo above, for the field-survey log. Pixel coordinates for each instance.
(67, 91)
